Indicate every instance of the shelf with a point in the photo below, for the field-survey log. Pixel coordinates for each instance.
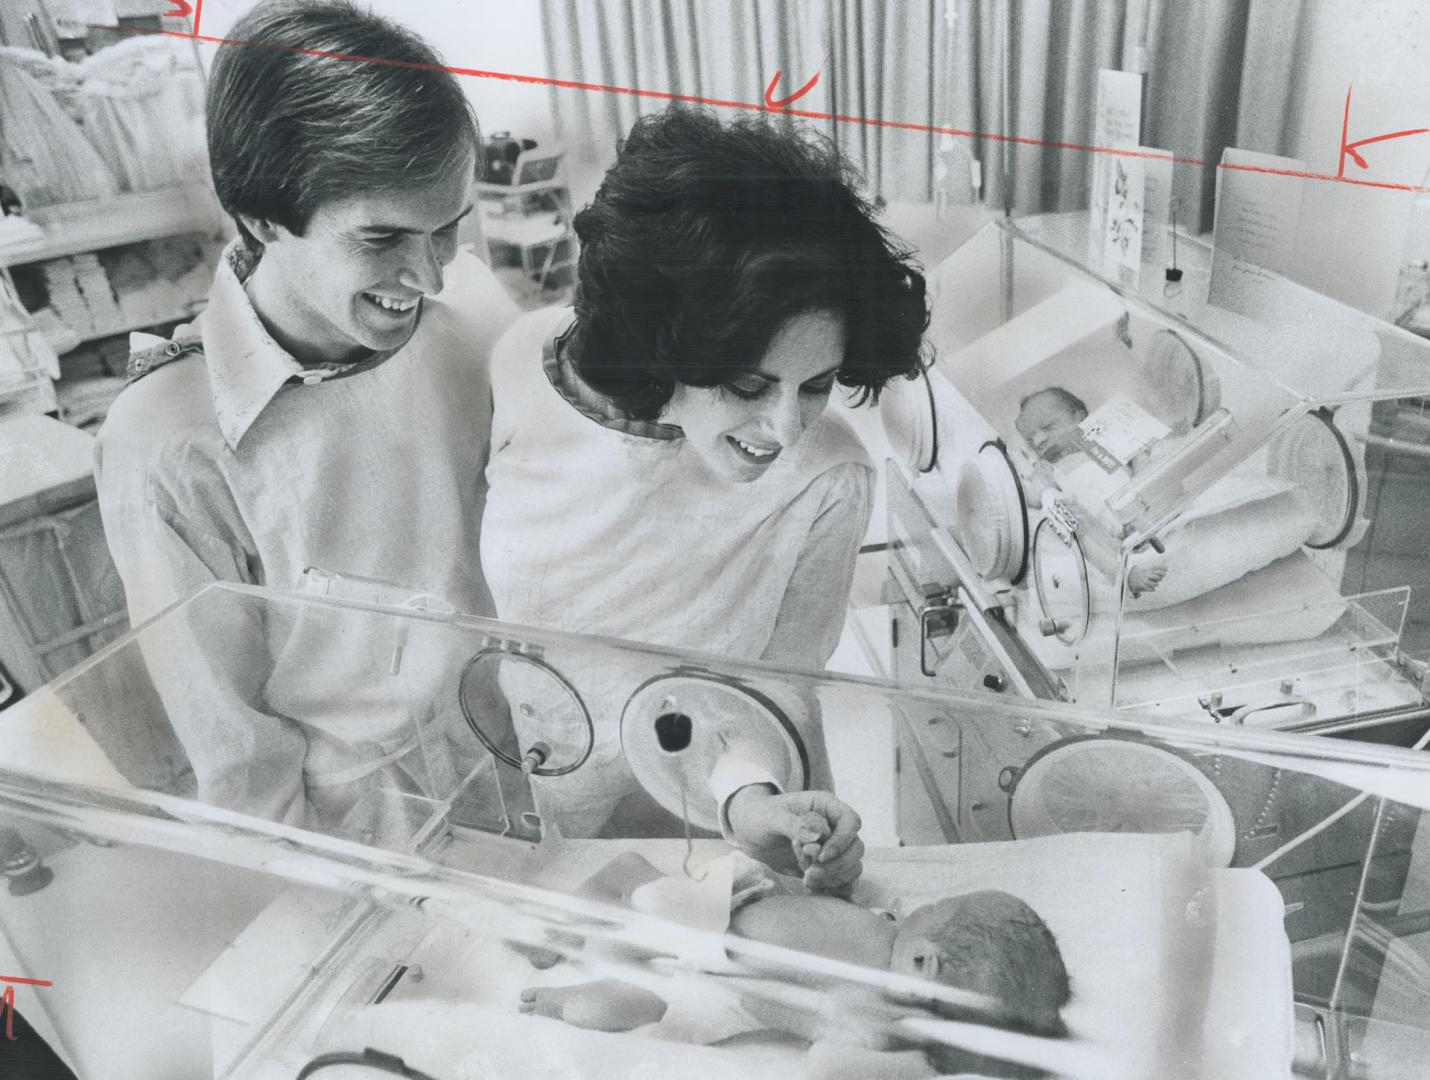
(127, 219)
(124, 326)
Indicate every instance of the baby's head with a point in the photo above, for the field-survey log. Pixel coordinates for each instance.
(1048, 420)
(990, 943)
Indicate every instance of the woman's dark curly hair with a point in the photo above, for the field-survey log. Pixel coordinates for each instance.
(705, 238)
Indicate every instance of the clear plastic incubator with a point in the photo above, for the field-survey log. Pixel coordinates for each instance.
(384, 897)
(1139, 493)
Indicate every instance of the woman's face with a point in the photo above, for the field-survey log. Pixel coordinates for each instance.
(741, 428)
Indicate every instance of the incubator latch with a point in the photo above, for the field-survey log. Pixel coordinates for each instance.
(1053, 627)
(937, 618)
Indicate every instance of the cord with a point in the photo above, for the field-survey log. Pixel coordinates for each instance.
(369, 1058)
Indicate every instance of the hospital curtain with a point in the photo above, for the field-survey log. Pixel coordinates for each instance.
(1219, 73)
(876, 59)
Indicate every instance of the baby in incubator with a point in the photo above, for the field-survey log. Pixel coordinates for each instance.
(1048, 420)
(988, 942)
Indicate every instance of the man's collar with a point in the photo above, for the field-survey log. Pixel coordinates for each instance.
(246, 366)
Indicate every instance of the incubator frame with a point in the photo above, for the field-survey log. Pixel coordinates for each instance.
(1350, 866)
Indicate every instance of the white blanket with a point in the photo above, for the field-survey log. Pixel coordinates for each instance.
(1177, 970)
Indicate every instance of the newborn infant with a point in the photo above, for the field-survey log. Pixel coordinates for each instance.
(1242, 522)
(1048, 421)
(989, 943)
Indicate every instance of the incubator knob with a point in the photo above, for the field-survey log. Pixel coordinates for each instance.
(994, 682)
(535, 758)
(1053, 627)
(21, 863)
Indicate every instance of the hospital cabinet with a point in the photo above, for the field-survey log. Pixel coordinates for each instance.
(60, 595)
(1267, 910)
(1151, 495)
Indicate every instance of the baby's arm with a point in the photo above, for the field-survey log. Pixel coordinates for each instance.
(823, 925)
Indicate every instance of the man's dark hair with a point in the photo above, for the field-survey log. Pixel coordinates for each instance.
(705, 238)
(289, 130)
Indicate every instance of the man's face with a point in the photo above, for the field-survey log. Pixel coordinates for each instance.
(353, 283)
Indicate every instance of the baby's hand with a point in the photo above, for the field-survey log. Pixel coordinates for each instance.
(810, 839)
(822, 833)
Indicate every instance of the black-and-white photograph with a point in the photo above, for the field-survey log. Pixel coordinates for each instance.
(829, 539)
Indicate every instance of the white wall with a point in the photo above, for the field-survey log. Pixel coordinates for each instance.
(1354, 239)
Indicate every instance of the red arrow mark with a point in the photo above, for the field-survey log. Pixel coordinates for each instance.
(181, 10)
(1348, 149)
(771, 103)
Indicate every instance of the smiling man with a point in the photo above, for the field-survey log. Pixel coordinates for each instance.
(331, 406)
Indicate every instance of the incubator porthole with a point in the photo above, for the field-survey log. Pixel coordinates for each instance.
(1090, 784)
(673, 749)
(1176, 385)
(1060, 583)
(524, 711)
(1313, 455)
(906, 407)
(992, 515)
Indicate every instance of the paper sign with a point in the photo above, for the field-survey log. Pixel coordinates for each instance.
(1117, 123)
(1117, 431)
(1255, 233)
(1123, 224)
(1156, 207)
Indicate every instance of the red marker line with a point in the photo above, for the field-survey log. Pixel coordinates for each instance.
(771, 103)
(896, 125)
(25, 982)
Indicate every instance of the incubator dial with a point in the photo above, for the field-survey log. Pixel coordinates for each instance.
(1060, 583)
(992, 516)
(676, 729)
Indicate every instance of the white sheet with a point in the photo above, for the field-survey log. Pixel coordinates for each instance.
(1178, 971)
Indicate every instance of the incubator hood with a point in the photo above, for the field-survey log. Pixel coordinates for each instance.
(1140, 493)
(1226, 902)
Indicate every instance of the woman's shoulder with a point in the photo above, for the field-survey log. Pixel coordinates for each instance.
(473, 302)
(524, 342)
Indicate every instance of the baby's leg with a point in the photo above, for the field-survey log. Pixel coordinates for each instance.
(614, 882)
(604, 1005)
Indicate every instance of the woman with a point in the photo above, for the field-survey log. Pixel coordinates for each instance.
(663, 468)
